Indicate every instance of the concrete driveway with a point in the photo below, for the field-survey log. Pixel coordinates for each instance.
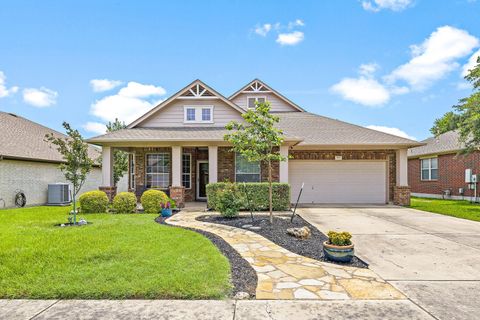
(433, 259)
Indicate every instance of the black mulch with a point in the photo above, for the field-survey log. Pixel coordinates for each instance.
(244, 277)
(277, 233)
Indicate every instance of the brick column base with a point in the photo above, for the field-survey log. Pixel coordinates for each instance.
(110, 191)
(178, 194)
(401, 195)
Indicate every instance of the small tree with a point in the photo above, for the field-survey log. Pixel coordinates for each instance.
(77, 162)
(258, 140)
(120, 158)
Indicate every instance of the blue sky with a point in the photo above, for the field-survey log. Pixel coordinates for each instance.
(387, 63)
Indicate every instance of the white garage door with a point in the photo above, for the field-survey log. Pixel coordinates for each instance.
(338, 181)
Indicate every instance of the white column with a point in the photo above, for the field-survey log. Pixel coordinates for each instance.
(402, 167)
(176, 166)
(284, 165)
(107, 166)
(212, 164)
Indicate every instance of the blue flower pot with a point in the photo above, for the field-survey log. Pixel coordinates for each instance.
(338, 253)
(166, 212)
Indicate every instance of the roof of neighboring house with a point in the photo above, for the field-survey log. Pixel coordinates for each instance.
(445, 143)
(23, 139)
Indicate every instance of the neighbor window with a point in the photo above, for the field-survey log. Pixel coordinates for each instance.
(429, 169)
(251, 101)
(187, 170)
(246, 171)
(198, 114)
(132, 170)
(158, 170)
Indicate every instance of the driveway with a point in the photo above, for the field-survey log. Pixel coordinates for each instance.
(433, 259)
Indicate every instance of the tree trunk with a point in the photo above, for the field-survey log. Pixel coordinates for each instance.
(74, 205)
(270, 202)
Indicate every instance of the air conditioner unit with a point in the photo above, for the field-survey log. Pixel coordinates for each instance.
(59, 194)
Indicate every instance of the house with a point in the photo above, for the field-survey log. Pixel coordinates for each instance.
(29, 164)
(178, 146)
(438, 170)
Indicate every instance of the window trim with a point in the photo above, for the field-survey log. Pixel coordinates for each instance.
(430, 168)
(169, 169)
(198, 113)
(256, 99)
(190, 166)
(131, 167)
(235, 169)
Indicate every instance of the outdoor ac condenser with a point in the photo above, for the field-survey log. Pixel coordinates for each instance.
(59, 194)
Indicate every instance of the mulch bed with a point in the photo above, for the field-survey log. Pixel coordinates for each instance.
(243, 276)
(277, 233)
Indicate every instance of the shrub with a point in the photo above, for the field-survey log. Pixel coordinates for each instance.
(125, 202)
(95, 201)
(229, 201)
(257, 192)
(173, 203)
(339, 238)
(152, 200)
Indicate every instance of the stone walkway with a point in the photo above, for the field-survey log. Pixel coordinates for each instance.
(286, 275)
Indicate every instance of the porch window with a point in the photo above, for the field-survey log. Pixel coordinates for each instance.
(246, 171)
(187, 170)
(132, 170)
(158, 170)
(251, 101)
(429, 169)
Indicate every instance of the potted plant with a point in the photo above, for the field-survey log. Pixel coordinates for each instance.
(166, 209)
(338, 247)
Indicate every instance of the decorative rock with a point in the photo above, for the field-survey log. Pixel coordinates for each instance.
(255, 228)
(82, 222)
(62, 225)
(247, 226)
(301, 233)
(241, 296)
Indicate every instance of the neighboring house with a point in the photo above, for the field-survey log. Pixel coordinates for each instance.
(178, 146)
(438, 170)
(28, 163)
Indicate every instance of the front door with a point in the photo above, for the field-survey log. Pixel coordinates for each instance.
(202, 179)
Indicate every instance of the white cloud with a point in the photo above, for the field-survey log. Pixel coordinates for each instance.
(264, 29)
(4, 91)
(394, 5)
(40, 98)
(290, 39)
(95, 127)
(362, 90)
(100, 85)
(128, 104)
(391, 130)
(472, 62)
(435, 57)
(368, 69)
(296, 23)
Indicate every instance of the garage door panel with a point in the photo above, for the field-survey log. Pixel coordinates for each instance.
(339, 181)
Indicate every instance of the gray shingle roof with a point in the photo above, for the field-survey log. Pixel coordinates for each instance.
(445, 143)
(21, 138)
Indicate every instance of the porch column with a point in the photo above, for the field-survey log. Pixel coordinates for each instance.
(401, 192)
(212, 164)
(107, 173)
(176, 166)
(283, 165)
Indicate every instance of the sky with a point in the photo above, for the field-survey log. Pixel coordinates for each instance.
(391, 65)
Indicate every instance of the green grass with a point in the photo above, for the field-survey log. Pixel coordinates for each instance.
(118, 256)
(455, 208)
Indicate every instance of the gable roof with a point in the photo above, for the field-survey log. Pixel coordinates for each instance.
(186, 92)
(447, 142)
(22, 139)
(256, 81)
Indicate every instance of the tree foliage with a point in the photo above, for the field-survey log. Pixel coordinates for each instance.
(258, 139)
(120, 158)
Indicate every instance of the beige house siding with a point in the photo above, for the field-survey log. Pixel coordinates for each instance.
(276, 103)
(172, 115)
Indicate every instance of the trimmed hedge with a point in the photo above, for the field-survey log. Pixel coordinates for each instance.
(152, 200)
(95, 201)
(125, 202)
(258, 193)
(229, 201)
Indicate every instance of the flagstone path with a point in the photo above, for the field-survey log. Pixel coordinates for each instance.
(286, 275)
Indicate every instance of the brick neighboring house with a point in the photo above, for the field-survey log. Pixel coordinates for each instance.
(436, 169)
(178, 147)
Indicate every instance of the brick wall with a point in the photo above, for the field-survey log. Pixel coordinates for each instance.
(140, 162)
(451, 174)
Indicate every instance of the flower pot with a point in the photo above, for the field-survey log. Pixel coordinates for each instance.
(338, 253)
(166, 212)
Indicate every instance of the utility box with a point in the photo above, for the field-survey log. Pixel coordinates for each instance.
(468, 175)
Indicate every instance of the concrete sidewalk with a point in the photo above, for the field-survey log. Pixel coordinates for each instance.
(210, 309)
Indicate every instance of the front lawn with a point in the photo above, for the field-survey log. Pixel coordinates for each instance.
(118, 256)
(455, 208)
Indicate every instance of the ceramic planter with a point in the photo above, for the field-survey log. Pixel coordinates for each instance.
(166, 212)
(338, 253)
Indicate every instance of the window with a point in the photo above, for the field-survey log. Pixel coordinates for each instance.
(198, 114)
(246, 171)
(251, 101)
(429, 169)
(158, 170)
(132, 170)
(187, 170)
